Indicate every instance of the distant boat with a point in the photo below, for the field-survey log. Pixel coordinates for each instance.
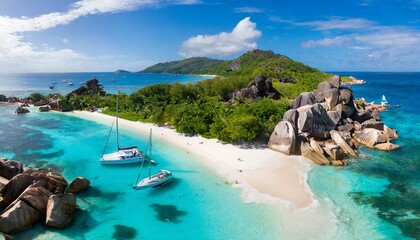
(70, 83)
(383, 100)
(123, 155)
(152, 181)
(52, 86)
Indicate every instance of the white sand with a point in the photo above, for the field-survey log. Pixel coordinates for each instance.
(263, 174)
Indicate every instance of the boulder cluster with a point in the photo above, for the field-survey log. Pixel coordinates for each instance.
(261, 87)
(328, 124)
(91, 87)
(31, 196)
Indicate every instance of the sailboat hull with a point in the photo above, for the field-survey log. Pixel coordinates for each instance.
(156, 180)
(125, 156)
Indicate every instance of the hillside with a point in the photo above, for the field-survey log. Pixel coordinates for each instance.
(194, 65)
(289, 77)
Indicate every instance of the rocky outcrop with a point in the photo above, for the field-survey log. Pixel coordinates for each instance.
(34, 196)
(372, 123)
(291, 116)
(60, 210)
(79, 184)
(91, 87)
(283, 138)
(44, 108)
(41, 103)
(330, 124)
(10, 168)
(305, 98)
(370, 137)
(314, 120)
(308, 152)
(21, 110)
(261, 87)
(334, 151)
(3, 98)
(386, 146)
(338, 139)
(18, 217)
(233, 66)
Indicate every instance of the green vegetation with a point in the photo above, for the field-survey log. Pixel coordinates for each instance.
(194, 65)
(203, 108)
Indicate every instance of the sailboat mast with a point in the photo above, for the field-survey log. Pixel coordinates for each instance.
(150, 160)
(116, 116)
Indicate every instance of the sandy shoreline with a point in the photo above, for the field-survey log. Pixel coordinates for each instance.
(263, 174)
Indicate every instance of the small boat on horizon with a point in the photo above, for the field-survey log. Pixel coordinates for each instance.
(152, 181)
(383, 100)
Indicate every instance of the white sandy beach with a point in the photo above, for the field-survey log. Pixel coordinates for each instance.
(263, 174)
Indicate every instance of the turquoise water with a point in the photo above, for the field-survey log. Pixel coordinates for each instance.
(380, 195)
(23, 84)
(371, 199)
(196, 205)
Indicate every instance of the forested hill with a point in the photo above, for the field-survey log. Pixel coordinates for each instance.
(194, 65)
(289, 77)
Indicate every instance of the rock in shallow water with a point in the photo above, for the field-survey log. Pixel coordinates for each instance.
(78, 185)
(60, 210)
(124, 232)
(167, 213)
(18, 217)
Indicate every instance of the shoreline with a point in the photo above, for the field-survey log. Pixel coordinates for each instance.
(263, 175)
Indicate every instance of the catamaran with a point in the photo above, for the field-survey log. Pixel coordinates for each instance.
(123, 155)
(152, 181)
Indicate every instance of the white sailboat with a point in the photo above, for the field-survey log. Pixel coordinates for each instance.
(152, 181)
(123, 155)
(383, 100)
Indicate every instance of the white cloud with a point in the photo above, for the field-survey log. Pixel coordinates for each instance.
(248, 10)
(17, 55)
(386, 47)
(327, 42)
(243, 37)
(339, 24)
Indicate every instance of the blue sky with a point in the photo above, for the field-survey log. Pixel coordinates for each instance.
(105, 35)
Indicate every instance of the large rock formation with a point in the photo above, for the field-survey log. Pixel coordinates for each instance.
(261, 87)
(330, 123)
(3, 98)
(34, 195)
(78, 185)
(283, 138)
(91, 87)
(10, 168)
(314, 120)
(18, 217)
(305, 98)
(21, 110)
(60, 210)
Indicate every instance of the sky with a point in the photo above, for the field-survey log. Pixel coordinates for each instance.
(105, 35)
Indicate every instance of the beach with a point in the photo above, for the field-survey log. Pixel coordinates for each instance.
(265, 176)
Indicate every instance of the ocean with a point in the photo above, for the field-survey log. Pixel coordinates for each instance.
(23, 84)
(370, 199)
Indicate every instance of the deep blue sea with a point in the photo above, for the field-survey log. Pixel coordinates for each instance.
(23, 84)
(371, 199)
